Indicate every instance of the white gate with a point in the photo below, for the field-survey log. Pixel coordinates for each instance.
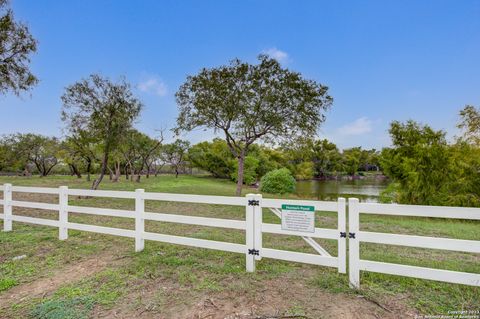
(322, 258)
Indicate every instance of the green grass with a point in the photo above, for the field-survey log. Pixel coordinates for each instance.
(74, 308)
(196, 272)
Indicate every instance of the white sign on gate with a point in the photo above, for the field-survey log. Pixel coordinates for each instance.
(298, 218)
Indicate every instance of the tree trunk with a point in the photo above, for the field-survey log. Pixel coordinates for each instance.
(75, 171)
(241, 160)
(103, 170)
(89, 168)
(176, 172)
(148, 169)
(132, 172)
(116, 176)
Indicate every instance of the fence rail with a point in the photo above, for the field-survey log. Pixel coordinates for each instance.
(252, 225)
(357, 236)
(254, 228)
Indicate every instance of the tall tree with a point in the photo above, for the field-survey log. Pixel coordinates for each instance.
(70, 156)
(16, 46)
(85, 146)
(150, 150)
(175, 153)
(104, 109)
(39, 150)
(249, 102)
(131, 148)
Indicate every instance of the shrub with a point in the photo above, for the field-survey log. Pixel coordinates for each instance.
(279, 181)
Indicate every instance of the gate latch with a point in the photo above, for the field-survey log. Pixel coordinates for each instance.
(254, 252)
(253, 202)
(343, 234)
(351, 235)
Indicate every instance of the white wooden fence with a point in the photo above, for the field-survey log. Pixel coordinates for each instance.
(254, 228)
(253, 224)
(356, 236)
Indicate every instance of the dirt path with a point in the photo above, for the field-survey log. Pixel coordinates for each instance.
(45, 286)
(276, 299)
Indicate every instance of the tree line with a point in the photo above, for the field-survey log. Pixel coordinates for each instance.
(139, 154)
(136, 155)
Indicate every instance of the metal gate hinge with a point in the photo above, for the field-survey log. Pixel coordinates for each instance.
(253, 202)
(351, 235)
(343, 234)
(254, 252)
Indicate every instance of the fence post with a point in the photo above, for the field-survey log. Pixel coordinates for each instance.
(63, 213)
(353, 243)
(139, 220)
(250, 232)
(7, 207)
(258, 220)
(342, 239)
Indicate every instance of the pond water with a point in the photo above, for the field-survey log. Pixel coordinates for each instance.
(366, 189)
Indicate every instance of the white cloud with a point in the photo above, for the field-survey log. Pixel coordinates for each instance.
(360, 126)
(279, 55)
(153, 85)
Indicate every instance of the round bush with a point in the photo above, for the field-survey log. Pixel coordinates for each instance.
(279, 181)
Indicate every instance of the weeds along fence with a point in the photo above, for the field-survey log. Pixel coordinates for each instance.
(254, 228)
(252, 225)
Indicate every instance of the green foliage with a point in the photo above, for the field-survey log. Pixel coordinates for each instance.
(30, 152)
(216, 158)
(175, 154)
(249, 170)
(137, 152)
(74, 308)
(327, 159)
(213, 157)
(7, 283)
(304, 171)
(16, 46)
(351, 160)
(279, 181)
(428, 170)
(390, 194)
(268, 159)
(470, 124)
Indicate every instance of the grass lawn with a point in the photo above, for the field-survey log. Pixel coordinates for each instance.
(94, 275)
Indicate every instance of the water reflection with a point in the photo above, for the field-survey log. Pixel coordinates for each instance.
(367, 189)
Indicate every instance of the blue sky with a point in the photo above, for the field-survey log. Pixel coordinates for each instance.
(383, 60)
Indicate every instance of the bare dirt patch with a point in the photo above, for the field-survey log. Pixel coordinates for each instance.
(45, 286)
(273, 299)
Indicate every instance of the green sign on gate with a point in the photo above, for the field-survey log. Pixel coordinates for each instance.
(298, 218)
